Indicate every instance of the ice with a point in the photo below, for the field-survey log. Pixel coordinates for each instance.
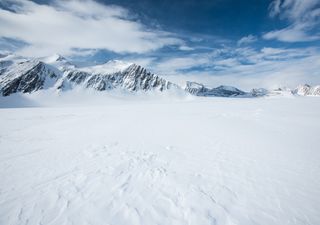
(131, 160)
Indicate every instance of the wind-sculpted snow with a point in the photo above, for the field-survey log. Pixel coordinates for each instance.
(221, 161)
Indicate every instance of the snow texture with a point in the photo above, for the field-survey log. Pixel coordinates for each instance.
(151, 161)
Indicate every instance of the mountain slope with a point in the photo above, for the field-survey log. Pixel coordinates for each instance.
(59, 62)
(301, 90)
(133, 78)
(58, 73)
(221, 91)
(18, 74)
(136, 78)
(27, 77)
(306, 90)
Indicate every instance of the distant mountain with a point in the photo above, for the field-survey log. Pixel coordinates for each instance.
(27, 77)
(131, 78)
(7, 60)
(19, 74)
(221, 91)
(281, 91)
(306, 90)
(301, 90)
(59, 62)
(109, 67)
(259, 92)
(58, 73)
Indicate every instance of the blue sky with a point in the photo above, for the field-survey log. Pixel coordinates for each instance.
(246, 43)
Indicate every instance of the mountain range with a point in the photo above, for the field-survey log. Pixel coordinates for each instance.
(18, 74)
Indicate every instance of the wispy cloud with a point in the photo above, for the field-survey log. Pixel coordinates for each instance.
(87, 28)
(244, 67)
(65, 26)
(247, 40)
(303, 16)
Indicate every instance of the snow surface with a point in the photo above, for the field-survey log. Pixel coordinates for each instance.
(134, 160)
(58, 61)
(109, 67)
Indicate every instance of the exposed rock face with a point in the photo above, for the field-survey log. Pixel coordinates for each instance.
(27, 77)
(306, 90)
(221, 91)
(259, 92)
(134, 78)
(137, 78)
(18, 74)
(316, 90)
(302, 89)
(195, 88)
(31, 76)
(99, 82)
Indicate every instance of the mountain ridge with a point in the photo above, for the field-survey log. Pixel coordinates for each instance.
(56, 72)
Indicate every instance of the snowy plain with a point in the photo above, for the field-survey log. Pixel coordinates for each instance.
(131, 160)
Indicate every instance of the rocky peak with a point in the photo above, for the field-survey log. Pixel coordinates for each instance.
(220, 91)
(27, 77)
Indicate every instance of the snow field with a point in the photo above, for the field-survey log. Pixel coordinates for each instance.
(198, 161)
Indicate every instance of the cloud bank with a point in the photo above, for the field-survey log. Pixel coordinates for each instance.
(67, 26)
(303, 17)
(80, 28)
(245, 67)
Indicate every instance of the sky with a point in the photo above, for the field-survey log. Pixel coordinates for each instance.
(248, 43)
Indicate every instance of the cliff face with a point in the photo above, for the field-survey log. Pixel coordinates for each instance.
(30, 76)
(27, 77)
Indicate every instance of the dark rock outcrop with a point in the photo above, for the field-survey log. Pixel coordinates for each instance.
(27, 77)
(221, 91)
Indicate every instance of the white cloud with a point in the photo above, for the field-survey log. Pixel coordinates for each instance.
(291, 34)
(247, 40)
(245, 67)
(303, 16)
(185, 48)
(68, 25)
(293, 9)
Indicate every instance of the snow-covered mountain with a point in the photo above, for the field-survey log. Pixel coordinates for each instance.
(111, 66)
(307, 90)
(18, 74)
(281, 91)
(59, 62)
(131, 78)
(8, 60)
(221, 91)
(301, 90)
(58, 73)
(259, 92)
(27, 77)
